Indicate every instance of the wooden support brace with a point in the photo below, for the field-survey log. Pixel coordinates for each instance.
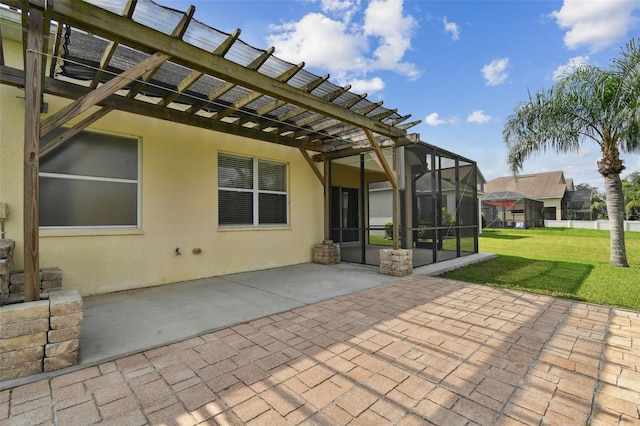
(312, 165)
(59, 140)
(393, 179)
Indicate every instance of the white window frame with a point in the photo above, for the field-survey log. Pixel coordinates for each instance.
(136, 181)
(256, 191)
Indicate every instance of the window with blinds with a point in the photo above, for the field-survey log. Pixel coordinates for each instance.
(251, 191)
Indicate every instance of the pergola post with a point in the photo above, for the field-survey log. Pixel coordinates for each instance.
(327, 199)
(33, 103)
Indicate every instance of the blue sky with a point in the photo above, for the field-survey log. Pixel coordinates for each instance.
(459, 66)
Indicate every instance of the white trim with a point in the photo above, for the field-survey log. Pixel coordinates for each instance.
(90, 178)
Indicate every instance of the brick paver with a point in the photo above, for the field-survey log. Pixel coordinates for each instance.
(420, 350)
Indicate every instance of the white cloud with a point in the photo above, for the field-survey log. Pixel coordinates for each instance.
(496, 72)
(344, 8)
(451, 28)
(478, 116)
(349, 42)
(385, 21)
(367, 86)
(434, 119)
(596, 24)
(574, 62)
(321, 42)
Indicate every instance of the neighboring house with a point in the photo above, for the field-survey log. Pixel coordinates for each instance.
(552, 188)
(147, 150)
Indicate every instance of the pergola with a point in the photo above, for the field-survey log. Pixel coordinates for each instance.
(142, 58)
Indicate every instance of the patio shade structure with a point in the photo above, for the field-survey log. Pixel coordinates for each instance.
(139, 57)
(507, 209)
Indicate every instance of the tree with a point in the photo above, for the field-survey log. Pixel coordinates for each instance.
(587, 103)
(631, 191)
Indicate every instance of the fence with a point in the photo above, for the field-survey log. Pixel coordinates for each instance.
(633, 226)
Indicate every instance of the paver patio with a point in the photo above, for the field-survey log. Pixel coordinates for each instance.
(419, 350)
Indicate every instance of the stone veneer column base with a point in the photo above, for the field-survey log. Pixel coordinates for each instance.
(397, 263)
(326, 253)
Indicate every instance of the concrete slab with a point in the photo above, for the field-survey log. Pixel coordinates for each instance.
(127, 322)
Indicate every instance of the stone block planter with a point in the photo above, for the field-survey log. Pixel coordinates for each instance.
(326, 253)
(37, 336)
(397, 263)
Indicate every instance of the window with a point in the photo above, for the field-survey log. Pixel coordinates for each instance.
(90, 181)
(251, 191)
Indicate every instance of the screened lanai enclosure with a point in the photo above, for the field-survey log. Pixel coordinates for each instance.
(437, 205)
(512, 210)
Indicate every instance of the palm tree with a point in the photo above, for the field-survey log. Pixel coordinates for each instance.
(588, 103)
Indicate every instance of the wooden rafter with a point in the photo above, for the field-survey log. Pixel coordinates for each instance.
(309, 87)
(194, 76)
(250, 97)
(178, 33)
(97, 95)
(56, 50)
(111, 48)
(224, 88)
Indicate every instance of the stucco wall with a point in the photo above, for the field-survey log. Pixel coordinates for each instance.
(554, 202)
(179, 208)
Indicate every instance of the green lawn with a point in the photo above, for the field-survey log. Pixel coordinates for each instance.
(570, 263)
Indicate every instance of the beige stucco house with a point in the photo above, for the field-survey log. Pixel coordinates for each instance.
(140, 147)
(552, 188)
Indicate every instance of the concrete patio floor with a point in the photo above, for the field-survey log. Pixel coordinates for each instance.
(417, 350)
